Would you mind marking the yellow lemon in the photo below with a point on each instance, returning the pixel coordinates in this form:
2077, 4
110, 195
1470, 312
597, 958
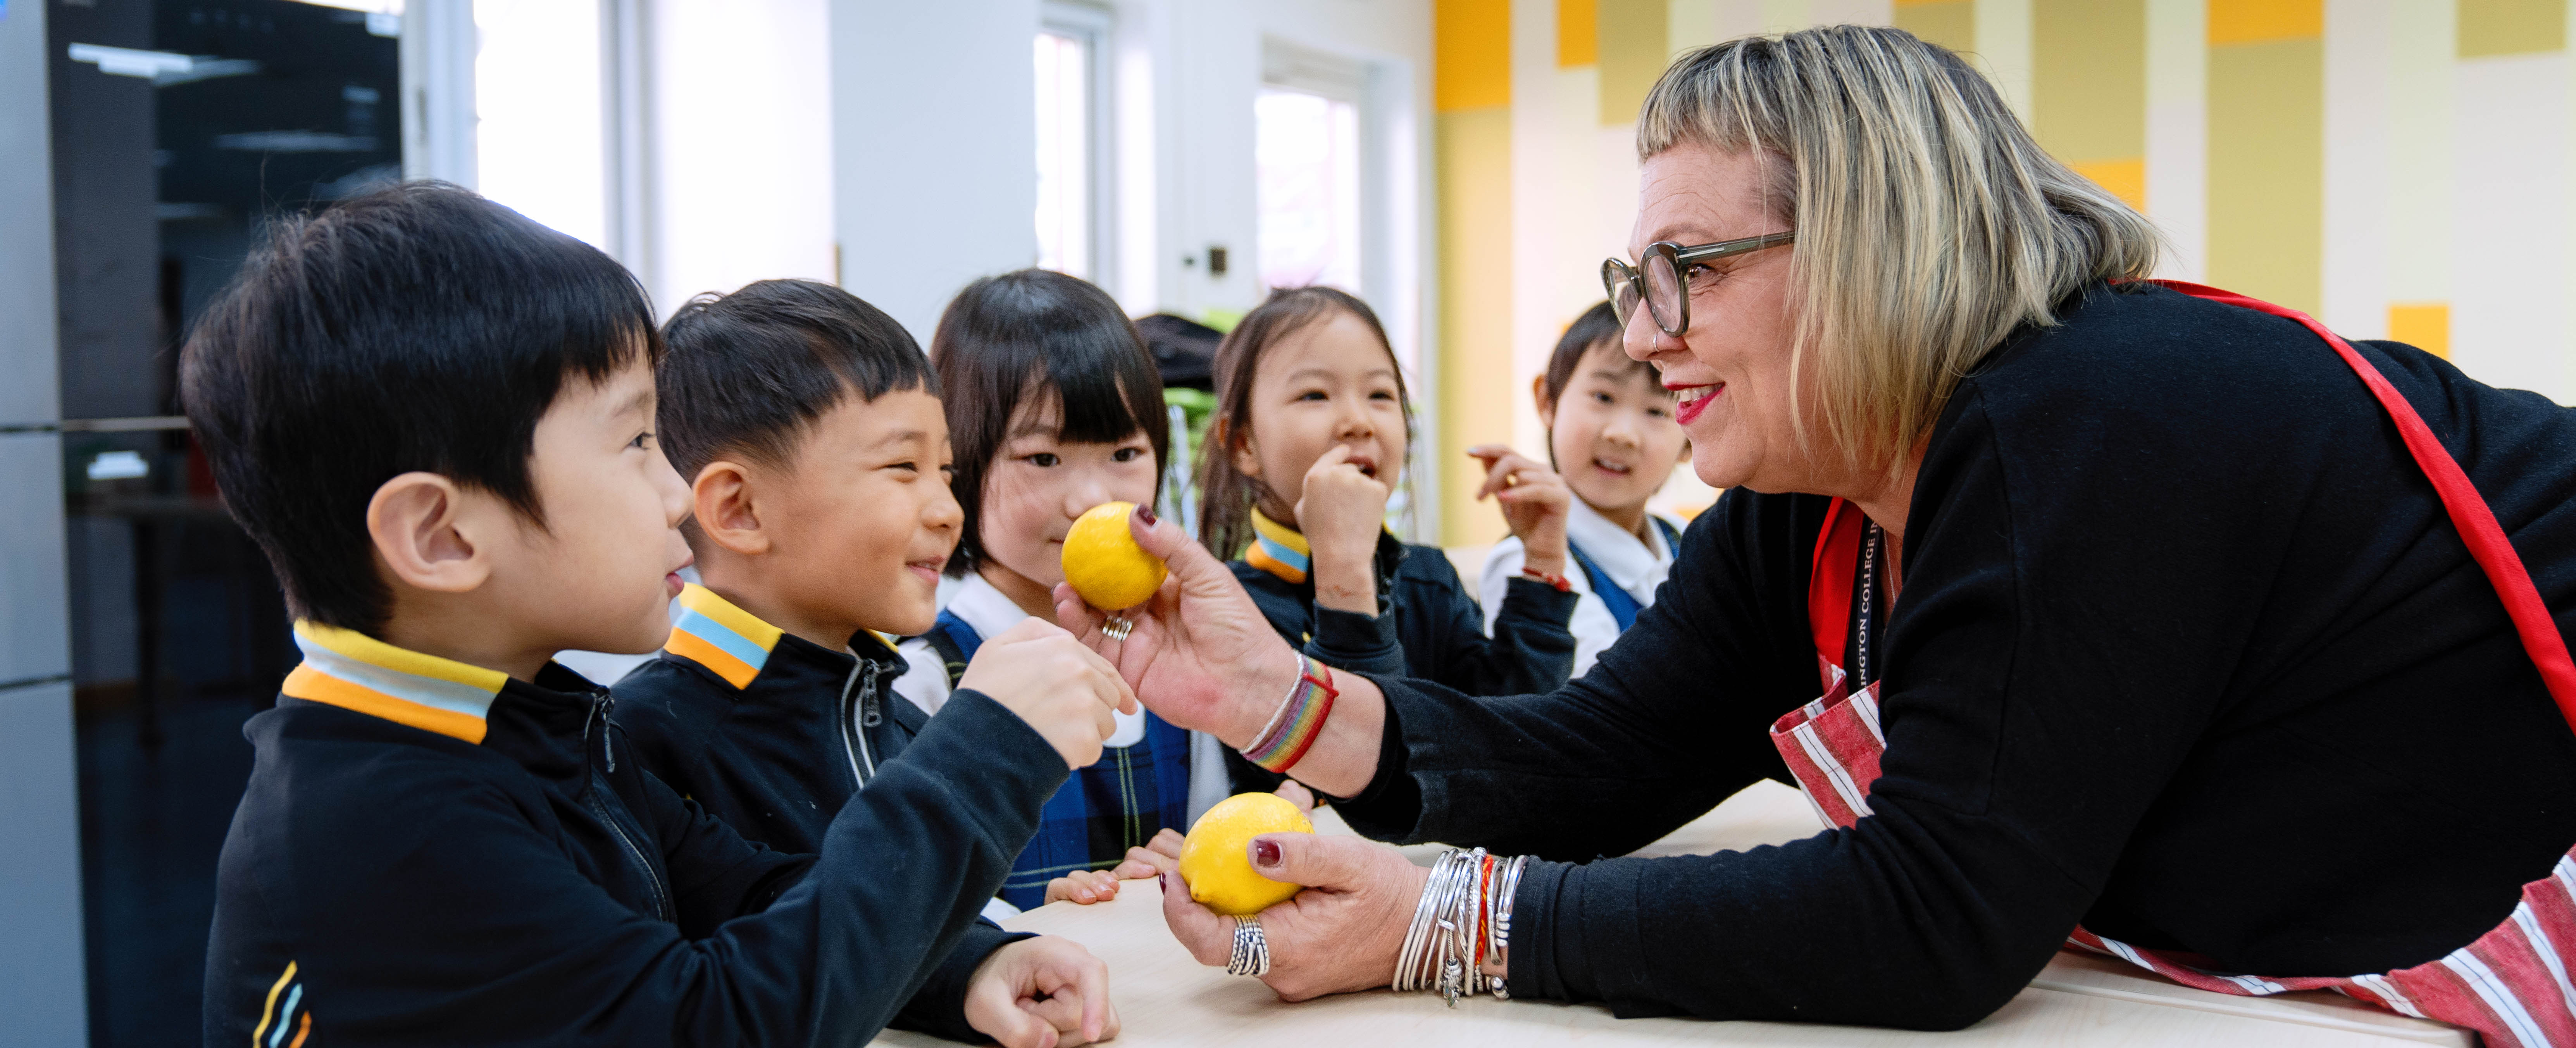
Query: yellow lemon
1215, 862
1104, 563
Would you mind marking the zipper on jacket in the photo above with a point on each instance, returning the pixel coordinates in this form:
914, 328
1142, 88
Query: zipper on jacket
600, 706
854, 736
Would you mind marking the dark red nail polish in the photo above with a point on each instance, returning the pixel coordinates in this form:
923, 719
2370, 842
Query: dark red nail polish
1265, 853
1146, 514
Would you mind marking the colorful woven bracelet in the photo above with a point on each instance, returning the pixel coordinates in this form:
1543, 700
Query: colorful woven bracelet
1300, 719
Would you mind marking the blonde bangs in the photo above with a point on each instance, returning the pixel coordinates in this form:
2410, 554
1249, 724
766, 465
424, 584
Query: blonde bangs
1930, 224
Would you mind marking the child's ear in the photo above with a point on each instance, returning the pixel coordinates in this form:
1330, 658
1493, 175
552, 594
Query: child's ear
724, 509
1239, 449
425, 529
1546, 407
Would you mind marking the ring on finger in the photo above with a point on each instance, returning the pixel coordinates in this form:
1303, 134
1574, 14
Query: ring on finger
1251, 954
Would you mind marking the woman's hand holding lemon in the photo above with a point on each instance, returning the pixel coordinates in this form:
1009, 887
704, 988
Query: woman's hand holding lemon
1339, 934
1199, 646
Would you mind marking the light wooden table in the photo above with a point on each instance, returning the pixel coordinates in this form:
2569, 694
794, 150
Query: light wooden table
1166, 998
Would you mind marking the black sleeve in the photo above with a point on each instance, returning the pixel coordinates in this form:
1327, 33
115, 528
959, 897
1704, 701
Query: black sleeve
1670, 721
1530, 650
716, 875
1348, 640
495, 936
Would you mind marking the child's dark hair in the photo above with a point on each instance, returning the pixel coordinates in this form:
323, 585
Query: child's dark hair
417, 327
1226, 497
1027, 335
747, 373
1596, 326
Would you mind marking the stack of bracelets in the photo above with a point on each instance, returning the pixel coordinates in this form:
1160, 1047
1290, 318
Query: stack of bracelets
1463, 921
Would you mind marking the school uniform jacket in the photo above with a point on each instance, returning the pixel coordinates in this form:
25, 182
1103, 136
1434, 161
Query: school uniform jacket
772, 734
1427, 626
434, 853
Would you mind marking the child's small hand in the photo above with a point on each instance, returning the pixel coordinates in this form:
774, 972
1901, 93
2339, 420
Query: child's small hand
1155, 858
1044, 992
1341, 512
1059, 687
1084, 887
1535, 503
1297, 794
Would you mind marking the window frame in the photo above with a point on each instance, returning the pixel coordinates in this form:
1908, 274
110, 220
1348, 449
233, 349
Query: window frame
1095, 27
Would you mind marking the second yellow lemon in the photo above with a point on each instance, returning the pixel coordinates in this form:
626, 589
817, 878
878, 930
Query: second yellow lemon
1104, 563
1215, 864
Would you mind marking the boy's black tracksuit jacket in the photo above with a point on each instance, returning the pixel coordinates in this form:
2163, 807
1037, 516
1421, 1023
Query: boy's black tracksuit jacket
400, 872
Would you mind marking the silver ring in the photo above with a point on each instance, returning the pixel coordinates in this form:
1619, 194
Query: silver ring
1251, 954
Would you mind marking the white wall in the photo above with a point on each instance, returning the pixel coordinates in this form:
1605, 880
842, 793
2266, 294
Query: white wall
934, 156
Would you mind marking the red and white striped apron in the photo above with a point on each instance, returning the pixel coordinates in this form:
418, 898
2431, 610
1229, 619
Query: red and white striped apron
2512, 985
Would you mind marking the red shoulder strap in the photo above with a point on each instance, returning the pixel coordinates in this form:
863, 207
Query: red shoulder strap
2469, 513
1829, 585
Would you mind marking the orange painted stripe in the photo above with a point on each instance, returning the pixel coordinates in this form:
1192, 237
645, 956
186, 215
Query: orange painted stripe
303, 1029
316, 686
717, 660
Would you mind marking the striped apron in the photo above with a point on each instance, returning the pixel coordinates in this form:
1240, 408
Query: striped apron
2511, 985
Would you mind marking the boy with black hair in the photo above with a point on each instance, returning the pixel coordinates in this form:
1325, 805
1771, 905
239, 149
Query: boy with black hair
435, 416
810, 429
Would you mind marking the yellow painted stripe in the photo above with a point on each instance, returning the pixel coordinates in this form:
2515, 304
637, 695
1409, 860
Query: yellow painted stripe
2258, 21
268, 1012
2267, 171
2126, 179
2489, 28
717, 660
1471, 54
313, 685
1949, 23
1474, 157
1578, 33
748, 626
359, 646
2423, 325
1635, 46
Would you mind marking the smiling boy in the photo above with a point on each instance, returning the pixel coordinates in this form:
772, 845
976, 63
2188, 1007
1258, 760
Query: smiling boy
436, 417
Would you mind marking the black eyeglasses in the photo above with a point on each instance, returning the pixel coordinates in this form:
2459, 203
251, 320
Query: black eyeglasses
1657, 281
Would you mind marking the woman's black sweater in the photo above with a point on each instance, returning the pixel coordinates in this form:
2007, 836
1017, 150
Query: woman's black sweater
2187, 652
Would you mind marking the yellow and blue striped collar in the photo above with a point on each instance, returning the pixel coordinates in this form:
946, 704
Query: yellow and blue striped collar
730, 642
354, 671
1278, 549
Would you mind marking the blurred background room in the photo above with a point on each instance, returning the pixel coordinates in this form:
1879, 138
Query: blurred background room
2401, 168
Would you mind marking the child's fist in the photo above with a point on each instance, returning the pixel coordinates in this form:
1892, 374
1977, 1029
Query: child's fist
1343, 507
1155, 858
1044, 992
1061, 688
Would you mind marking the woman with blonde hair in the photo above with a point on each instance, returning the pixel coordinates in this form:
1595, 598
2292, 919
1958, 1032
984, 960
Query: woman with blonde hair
2145, 616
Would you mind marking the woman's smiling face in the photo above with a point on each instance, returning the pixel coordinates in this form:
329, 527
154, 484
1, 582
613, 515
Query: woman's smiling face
1730, 370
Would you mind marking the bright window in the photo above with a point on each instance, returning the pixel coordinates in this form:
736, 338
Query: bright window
1066, 140
1307, 151
540, 144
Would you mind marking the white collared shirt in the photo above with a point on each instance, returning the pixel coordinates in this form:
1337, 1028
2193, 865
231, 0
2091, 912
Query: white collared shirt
988, 613
1633, 564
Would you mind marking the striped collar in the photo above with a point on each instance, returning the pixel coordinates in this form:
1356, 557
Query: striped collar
354, 671
1278, 549
731, 643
